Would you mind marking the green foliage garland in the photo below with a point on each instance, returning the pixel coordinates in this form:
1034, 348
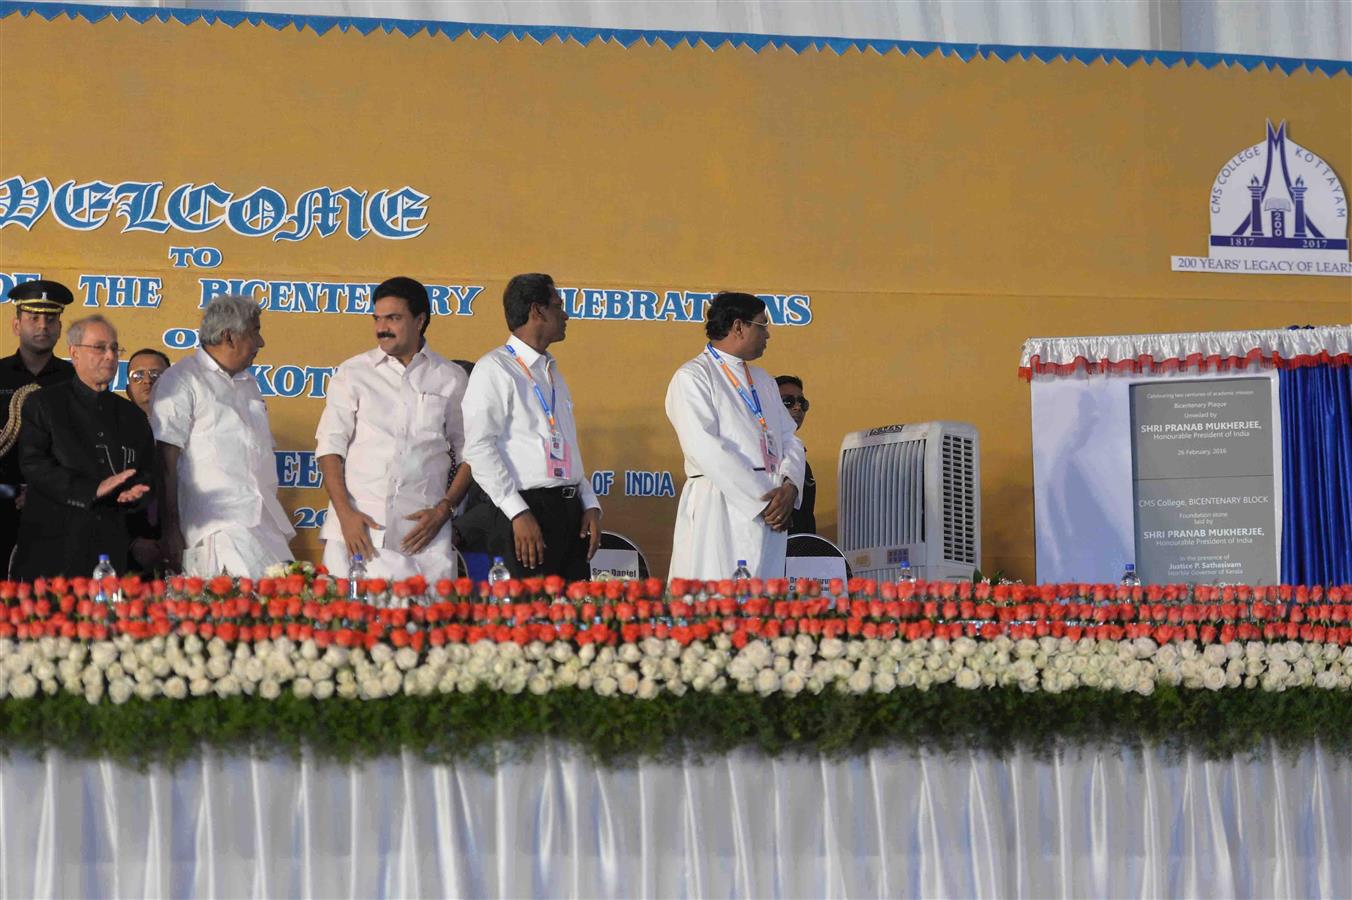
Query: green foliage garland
473, 728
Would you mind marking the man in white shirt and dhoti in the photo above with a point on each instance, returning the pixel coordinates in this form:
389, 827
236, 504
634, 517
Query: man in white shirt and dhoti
389, 438
218, 508
521, 441
743, 461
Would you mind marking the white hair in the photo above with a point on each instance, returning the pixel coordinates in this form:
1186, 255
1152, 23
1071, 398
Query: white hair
227, 315
75, 333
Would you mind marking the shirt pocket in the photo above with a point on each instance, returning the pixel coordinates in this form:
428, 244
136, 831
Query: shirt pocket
255, 417
429, 414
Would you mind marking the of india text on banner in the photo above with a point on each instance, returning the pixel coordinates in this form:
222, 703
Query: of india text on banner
909, 212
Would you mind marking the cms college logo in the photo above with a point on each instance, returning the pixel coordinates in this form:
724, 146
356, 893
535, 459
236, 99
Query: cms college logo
1276, 209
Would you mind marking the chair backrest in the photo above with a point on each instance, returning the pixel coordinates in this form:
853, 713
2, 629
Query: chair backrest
813, 556
475, 565
619, 557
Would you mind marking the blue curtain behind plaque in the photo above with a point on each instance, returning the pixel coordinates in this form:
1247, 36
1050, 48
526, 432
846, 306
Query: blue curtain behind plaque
1317, 475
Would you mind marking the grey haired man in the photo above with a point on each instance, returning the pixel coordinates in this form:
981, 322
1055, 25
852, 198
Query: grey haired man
219, 509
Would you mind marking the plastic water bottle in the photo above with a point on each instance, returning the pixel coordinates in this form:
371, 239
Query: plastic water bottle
103, 570
356, 572
740, 577
906, 575
499, 571
1129, 577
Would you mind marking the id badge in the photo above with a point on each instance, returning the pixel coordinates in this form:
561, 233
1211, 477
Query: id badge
769, 454
558, 458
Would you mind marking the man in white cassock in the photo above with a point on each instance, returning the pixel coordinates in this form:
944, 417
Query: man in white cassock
389, 437
743, 461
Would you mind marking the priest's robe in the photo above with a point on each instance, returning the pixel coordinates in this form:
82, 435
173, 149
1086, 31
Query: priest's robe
719, 518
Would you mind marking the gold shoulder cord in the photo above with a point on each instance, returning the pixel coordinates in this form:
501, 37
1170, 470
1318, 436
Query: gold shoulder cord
9, 435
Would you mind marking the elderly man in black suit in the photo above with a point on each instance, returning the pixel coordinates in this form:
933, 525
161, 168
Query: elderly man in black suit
88, 457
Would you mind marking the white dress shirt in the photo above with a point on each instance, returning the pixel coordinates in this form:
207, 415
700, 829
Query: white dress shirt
227, 472
399, 431
507, 432
718, 520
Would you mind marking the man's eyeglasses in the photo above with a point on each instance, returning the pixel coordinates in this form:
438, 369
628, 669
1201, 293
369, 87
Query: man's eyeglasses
765, 325
791, 402
101, 349
140, 375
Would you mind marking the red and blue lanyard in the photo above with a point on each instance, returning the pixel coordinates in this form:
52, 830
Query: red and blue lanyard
752, 399
548, 407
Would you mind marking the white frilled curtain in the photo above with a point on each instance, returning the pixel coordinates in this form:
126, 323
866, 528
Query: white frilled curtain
1200, 351
1319, 29
1116, 823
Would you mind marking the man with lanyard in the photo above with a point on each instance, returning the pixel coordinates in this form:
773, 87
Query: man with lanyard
37, 324
521, 442
743, 462
388, 440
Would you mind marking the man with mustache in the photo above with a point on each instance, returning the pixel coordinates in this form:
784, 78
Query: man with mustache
743, 462
218, 508
87, 456
37, 326
389, 438
521, 439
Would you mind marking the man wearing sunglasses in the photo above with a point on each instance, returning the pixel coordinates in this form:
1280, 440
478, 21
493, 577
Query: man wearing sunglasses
87, 456
743, 462
804, 519
144, 368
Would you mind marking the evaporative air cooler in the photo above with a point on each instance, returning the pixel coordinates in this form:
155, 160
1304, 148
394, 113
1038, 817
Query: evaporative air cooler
911, 494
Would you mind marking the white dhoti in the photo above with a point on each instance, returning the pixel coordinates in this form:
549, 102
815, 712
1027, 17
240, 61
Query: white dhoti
434, 562
242, 552
711, 536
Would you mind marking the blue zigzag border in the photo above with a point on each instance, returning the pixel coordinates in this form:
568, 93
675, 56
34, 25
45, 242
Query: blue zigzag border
320, 25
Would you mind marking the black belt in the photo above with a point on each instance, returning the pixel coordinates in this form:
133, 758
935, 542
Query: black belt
757, 469
566, 491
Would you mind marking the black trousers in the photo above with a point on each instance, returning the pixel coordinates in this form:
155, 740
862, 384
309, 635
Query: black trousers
559, 512
9, 533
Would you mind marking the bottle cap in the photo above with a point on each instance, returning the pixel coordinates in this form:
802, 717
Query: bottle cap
356, 557
1131, 567
497, 560
741, 562
103, 557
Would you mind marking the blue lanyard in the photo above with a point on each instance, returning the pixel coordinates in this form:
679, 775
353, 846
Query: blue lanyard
539, 394
751, 400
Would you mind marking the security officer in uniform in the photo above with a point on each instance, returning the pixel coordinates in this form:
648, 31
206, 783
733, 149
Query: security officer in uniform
37, 324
